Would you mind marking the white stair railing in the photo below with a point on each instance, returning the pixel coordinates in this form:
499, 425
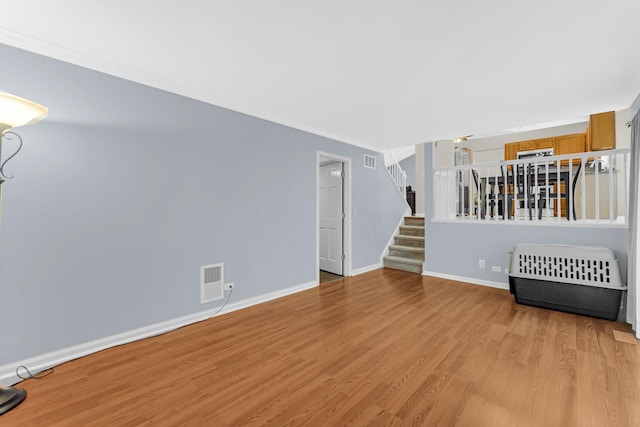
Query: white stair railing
398, 175
580, 188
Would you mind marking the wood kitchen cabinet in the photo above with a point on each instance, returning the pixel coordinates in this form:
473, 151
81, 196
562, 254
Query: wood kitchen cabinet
570, 144
526, 145
601, 134
510, 151
544, 143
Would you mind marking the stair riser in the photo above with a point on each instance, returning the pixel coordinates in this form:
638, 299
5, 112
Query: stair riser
411, 231
414, 221
400, 240
405, 267
406, 254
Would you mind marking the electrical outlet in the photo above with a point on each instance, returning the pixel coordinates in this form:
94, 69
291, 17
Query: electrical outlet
229, 286
481, 263
496, 268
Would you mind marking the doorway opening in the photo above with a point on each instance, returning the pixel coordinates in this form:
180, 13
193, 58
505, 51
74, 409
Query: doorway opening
333, 215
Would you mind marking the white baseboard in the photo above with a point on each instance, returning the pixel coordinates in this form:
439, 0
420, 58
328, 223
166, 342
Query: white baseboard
471, 280
366, 269
39, 363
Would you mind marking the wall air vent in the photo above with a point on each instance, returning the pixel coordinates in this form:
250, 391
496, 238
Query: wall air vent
369, 162
211, 281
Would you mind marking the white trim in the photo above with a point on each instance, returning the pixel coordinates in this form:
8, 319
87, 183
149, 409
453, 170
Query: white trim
97, 64
366, 269
471, 280
45, 361
346, 231
407, 212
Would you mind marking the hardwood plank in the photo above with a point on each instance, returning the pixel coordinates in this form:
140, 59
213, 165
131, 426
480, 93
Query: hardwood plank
385, 348
480, 413
450, 404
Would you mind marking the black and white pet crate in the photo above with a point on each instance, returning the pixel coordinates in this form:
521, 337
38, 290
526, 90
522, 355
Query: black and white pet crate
576, 279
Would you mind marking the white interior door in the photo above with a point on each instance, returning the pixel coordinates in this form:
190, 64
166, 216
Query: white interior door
331, 218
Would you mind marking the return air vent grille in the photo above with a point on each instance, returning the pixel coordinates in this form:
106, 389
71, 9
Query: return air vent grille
211, 282
369, 162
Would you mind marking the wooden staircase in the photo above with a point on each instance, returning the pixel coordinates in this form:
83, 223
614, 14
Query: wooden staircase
407, 252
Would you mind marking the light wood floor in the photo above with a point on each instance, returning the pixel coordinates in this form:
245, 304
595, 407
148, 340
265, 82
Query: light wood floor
383, 348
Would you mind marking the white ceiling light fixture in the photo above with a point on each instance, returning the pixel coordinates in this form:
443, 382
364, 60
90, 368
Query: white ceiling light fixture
462, 138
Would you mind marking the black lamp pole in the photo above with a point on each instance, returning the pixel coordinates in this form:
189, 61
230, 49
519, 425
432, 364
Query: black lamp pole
14, 111
10, 397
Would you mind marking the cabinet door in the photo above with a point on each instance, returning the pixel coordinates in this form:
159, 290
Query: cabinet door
569, 144
526, 145
602, 131
510, 151
543, 143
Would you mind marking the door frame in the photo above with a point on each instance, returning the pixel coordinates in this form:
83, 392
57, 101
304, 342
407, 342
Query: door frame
346, 206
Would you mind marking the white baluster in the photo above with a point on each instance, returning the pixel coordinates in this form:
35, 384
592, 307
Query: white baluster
611, 194
583, 187
596, 165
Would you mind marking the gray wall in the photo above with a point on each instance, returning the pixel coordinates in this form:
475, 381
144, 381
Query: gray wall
409, 166
124, 191
454, 248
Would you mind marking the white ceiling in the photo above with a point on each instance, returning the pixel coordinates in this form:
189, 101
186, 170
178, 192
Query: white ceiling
369, 72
